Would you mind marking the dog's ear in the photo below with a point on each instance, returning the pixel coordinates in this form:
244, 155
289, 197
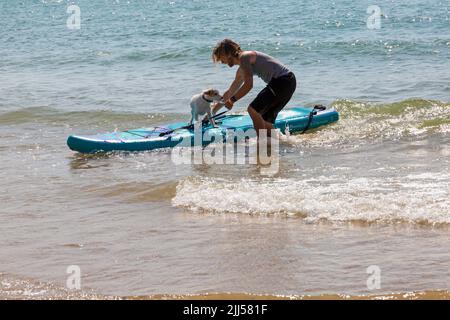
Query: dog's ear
209, 92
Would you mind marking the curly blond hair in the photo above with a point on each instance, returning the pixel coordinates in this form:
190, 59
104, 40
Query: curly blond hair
226, 47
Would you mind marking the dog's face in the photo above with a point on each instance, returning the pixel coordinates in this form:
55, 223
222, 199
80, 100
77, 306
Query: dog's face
213, 94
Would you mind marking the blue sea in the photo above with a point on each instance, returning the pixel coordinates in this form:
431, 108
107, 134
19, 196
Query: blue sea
371, 189
152, 56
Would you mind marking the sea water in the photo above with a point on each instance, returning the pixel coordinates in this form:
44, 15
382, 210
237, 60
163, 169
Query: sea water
370, 190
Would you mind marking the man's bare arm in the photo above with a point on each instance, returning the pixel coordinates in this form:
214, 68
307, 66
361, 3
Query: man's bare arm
246, 74
237, 83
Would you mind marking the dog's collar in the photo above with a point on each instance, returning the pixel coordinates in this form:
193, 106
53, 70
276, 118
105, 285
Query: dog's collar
204, 98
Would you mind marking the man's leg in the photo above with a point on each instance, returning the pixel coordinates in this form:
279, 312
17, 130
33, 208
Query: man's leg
269, 127
258, 121
260, 124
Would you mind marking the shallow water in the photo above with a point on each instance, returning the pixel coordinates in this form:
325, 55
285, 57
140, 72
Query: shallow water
372, 189
137, 224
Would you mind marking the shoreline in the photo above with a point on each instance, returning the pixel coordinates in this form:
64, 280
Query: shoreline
419, 295
19, 288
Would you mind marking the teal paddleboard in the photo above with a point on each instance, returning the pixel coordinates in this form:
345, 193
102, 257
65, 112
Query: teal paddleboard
172, 135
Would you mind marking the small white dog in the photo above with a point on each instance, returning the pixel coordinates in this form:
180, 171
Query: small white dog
201, 104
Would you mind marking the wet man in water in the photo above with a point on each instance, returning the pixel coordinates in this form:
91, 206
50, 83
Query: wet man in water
281, 82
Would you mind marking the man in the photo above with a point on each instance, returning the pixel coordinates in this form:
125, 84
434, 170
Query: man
281, 83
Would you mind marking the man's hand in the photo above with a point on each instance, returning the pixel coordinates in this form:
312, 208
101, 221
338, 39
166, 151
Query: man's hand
229, 104
226, 96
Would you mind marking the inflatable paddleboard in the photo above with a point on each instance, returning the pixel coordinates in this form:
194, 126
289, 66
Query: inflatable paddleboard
169, 136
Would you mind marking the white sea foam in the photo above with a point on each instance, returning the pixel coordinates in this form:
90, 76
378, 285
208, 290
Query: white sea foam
421, 198
362, 123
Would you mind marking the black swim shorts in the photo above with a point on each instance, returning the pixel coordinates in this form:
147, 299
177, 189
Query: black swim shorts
274, 97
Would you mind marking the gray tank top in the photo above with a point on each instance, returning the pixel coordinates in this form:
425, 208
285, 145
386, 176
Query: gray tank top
267, 67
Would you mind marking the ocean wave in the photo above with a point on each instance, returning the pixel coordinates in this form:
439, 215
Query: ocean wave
415, 199
407, 117
95, 118
361, 123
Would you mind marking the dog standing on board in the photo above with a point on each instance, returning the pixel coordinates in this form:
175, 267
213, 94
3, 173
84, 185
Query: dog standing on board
201, 104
